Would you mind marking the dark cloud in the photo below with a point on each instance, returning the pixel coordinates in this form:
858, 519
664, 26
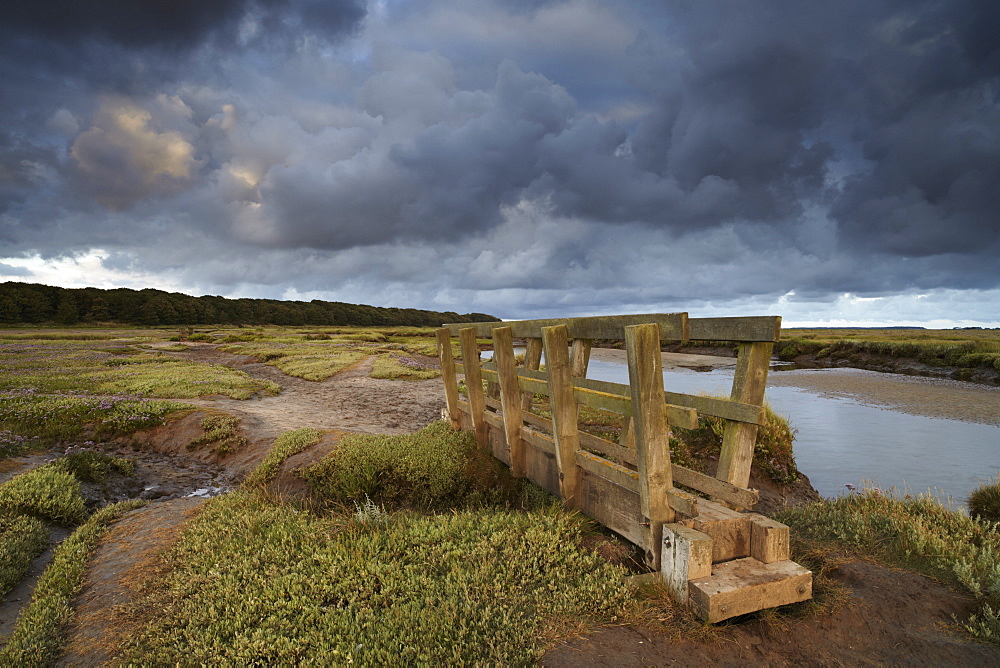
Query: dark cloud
707, 149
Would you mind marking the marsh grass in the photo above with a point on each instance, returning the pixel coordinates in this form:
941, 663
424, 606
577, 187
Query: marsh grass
984, 502
221, 434
22, 538
38, 636
287, 444
94, 466
915, 533
312, 360
47, 492
436, 468
403, 366
258, 583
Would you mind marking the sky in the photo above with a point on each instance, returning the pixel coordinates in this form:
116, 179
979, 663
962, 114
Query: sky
834, 163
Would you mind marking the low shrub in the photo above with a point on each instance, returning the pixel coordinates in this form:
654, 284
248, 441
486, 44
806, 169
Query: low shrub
286, 445
94, 466
984, 502
222, 434
22, 538
47, 492
435, 468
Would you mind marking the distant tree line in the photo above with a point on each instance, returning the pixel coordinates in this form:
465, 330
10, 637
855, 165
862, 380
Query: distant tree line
30, 303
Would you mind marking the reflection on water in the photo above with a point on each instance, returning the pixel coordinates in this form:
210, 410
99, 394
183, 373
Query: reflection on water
840, 442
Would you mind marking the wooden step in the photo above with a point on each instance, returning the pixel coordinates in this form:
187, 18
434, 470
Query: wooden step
746, 585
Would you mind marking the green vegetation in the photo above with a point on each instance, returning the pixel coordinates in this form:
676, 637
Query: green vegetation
286, 445
260, 583
117, 368
94, 466
34, 303
403, 366
915, 533
222, 434
37, 639
984, 502
958, 348
22, 538
435, 468
48, 492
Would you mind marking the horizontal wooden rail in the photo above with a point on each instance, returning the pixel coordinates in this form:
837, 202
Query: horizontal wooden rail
723, 408
673, 327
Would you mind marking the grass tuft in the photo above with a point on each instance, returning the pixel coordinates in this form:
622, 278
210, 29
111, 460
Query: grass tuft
222, 434
984, 502
22, 538
286, 445
48, 492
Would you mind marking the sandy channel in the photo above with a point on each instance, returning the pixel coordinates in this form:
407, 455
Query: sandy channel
930, 397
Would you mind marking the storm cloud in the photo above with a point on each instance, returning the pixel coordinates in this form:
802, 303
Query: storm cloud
516, 158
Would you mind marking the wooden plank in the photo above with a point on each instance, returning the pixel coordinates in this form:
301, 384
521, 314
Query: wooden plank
474, 384
616, 473
532, 386
537, 421
613, 506
579, 357
605, 447
686, 555
724, 408
492, 403
755, 328
730, 530
609, 402
448, 375
564, 410
532, 360
769, 539
533, 374
717, 489
510, 398
493, 420
652, 435
673, 326
745, 585
736, 455
541, 441
489, 376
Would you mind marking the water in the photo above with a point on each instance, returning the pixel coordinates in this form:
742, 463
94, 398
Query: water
840, 442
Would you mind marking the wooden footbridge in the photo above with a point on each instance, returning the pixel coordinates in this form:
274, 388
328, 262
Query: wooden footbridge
692, 527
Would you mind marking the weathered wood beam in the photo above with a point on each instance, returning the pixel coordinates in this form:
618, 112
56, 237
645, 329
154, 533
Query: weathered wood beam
564, 411
532, 360
652, 435
579, 357
673, 326
738, 439
754, 328
510, 398
448, 375
474, 385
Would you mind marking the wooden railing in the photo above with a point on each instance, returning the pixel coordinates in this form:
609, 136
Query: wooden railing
631, 486
559, 457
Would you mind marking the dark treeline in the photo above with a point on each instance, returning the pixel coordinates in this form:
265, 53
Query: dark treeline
30, 303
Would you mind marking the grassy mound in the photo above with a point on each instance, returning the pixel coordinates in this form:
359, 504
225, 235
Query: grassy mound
48, 492
286, 445
984, 502
22, 539
259, 583
435, 468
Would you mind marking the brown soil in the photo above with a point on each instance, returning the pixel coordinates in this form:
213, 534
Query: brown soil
890, 618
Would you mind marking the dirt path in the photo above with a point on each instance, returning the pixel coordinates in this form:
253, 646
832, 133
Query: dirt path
350, 400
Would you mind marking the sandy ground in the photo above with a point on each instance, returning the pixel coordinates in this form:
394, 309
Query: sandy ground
351, 400
930, 397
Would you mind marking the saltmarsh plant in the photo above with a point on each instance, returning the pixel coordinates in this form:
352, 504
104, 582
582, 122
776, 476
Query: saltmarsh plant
22, 538
93, 466
38, 637
286, 445
221, 434
435, 468
918, 533
252, 582
984, 502
308, 360
28, 413
403, 366
48, 492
